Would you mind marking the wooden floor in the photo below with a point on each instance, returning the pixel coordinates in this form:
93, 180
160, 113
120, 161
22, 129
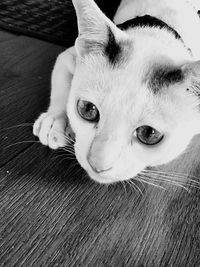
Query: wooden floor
52, 215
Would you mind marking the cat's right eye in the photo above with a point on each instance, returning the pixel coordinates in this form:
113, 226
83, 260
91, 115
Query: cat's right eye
88, 111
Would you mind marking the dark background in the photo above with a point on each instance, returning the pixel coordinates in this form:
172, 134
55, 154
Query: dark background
52, 20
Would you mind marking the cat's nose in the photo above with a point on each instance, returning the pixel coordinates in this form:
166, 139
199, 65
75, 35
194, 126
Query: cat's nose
103, 154
97, 170
97, 167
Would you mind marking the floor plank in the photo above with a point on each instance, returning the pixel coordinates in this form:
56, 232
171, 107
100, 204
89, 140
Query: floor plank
6, 36
25, 70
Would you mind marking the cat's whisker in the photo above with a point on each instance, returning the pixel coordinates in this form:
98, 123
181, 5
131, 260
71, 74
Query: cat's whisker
178, 180
69, 139
172, 182
21, 142
158, 176
64, 156
69, 155
67, 147
191, 184
180, 174
66, 137
136, 186
170, 173
188, 181
69, 151
124, 186
144, 180
165, 179
131, 186
69, 143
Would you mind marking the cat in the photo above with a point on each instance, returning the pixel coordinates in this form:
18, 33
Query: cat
129, 89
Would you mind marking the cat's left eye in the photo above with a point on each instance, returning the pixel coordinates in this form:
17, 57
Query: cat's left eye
88, 111
148, 135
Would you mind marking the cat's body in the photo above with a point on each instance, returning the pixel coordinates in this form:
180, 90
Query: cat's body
131, 95
179, 14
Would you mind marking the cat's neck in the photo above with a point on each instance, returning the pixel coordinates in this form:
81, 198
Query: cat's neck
178, 14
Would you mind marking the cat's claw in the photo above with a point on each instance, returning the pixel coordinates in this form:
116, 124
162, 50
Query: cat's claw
51, 130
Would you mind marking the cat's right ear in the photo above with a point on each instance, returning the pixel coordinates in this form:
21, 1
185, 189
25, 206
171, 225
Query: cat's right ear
192, 74
94, 28
192, 70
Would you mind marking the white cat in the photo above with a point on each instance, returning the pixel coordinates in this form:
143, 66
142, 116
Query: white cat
130, 93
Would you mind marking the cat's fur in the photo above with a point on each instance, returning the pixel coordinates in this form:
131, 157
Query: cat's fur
129, 76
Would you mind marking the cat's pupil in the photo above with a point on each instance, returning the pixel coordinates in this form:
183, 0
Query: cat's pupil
89, 107
148, 135
88, 111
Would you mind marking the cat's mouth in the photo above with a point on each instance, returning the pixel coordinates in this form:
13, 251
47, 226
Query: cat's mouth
106, 177
103, 179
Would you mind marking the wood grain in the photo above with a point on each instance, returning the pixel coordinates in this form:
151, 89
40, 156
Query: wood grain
52, 214
25, 87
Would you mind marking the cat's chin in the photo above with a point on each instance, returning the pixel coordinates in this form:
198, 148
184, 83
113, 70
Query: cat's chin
105, 179
102, 180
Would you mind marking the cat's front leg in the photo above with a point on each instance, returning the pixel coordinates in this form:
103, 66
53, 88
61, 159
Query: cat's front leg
52, 127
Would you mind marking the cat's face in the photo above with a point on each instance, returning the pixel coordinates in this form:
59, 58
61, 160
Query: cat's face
131, 112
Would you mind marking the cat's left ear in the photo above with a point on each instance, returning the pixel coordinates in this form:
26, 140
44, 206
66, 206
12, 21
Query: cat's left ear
95, 29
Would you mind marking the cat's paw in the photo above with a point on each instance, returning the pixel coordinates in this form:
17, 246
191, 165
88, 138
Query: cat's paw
51, 130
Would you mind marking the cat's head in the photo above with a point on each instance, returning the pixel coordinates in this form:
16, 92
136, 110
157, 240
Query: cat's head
134, 98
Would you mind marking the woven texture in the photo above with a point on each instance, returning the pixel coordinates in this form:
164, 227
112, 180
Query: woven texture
51, 20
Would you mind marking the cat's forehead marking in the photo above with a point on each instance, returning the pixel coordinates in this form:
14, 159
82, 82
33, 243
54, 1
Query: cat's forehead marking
115, 50
163, 76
